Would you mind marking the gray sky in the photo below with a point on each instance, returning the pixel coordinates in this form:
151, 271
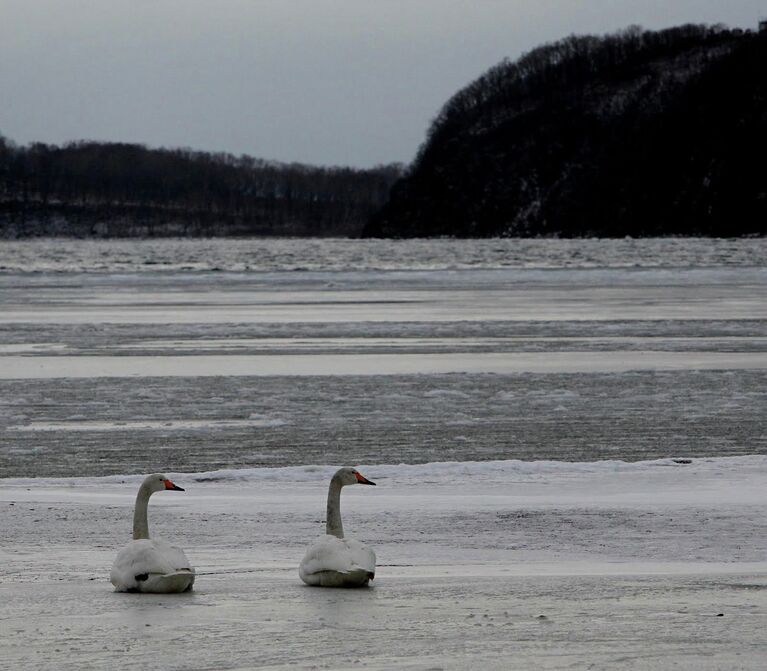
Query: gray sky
353, 82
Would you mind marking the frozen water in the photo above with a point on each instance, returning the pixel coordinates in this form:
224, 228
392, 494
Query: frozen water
61, 255
466, 361
569, 439
94, 426
375, 364
505, 564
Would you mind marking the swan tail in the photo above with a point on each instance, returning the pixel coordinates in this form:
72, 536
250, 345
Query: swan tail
354, 578
173, 582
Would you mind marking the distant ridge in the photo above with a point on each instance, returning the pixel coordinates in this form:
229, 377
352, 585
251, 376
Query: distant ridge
112, 189
636, 133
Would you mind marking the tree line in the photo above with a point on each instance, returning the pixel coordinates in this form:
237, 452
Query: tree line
118, 189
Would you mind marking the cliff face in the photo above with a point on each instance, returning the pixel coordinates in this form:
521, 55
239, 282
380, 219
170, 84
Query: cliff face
638, 133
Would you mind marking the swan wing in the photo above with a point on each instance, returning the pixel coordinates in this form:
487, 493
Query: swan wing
143, 558
362, 557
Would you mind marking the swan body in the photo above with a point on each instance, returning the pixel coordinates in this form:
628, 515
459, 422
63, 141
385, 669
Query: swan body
149, 565
335, 561
338, 562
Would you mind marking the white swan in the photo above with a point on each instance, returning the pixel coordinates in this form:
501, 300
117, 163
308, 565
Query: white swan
335, 561
146, 565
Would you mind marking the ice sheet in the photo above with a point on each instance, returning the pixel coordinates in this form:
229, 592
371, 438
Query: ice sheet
510, 565
28, 368
528, 527
436, 297
195, 424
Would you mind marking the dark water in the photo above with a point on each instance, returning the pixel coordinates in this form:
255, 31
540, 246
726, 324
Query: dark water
93, 427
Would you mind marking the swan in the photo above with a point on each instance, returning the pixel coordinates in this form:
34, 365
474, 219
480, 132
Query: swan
146, 565
335, 561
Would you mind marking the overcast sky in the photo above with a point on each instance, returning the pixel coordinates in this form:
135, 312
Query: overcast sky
351, 82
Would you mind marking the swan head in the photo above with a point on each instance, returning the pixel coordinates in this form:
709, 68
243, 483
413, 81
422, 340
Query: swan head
351, 476
157, 482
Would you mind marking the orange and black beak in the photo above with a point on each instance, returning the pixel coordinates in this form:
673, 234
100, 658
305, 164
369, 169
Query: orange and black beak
363, 480
170, 485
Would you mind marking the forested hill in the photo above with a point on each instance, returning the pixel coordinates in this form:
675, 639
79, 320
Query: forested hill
92, 189
636, 133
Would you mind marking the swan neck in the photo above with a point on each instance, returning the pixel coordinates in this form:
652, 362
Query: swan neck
334, 527
140, 518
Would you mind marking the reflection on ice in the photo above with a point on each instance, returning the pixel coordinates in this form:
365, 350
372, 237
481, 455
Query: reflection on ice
18, 367
139, 425
420, 343
497, 298
32, 348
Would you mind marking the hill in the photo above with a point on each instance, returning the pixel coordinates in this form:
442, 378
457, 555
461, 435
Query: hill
636, 133
96, 189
